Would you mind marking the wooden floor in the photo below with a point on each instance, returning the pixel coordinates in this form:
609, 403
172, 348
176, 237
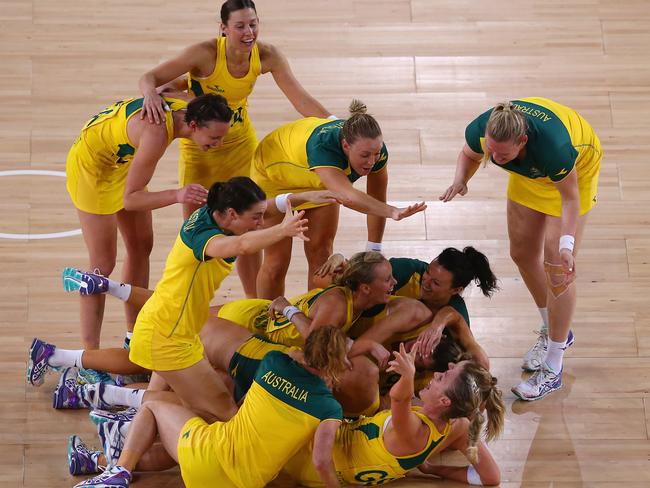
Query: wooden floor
425, 68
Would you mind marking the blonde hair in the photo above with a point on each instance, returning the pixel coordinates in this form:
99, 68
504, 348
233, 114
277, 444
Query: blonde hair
360, 269
506, 123
360, 125
325, 350
475, 390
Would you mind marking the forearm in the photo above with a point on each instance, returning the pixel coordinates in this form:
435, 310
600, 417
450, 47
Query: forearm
465, 168
570, 214
308, 106
254, 241
144, 200
147, 83
364, 203
327, 474
447, 472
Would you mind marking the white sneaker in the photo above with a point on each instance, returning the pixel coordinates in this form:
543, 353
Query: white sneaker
536, 355
540, 384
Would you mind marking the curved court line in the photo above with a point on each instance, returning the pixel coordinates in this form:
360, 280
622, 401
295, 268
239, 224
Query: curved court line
51, 235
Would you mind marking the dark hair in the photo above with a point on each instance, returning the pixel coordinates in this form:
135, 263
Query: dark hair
239, 193
360, 125
207, 108
467, 265
231, 6
447, 351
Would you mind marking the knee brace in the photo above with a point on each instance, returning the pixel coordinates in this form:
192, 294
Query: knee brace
557, 279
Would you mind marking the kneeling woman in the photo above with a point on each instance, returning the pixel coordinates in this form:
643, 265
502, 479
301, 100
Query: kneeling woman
288, 404
382, 448
314, 153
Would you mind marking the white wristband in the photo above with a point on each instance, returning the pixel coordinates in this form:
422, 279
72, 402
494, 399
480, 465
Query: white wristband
289, 311
373, 246
567, 242
473, 477
281, 202
332, 117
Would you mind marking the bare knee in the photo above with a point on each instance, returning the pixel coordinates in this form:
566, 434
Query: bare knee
523, 257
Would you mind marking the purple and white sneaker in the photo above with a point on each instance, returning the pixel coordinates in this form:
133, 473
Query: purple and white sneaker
82, 460
115, 477
39, 354
85, 283
112, 434
540, 384
100, 416
68, 394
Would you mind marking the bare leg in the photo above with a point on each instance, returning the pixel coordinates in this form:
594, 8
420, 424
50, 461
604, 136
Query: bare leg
321, 238
561, 308
154, 419
139, 296
114, 360
215, 401
100, 235
247, 268
270, 279
137, 233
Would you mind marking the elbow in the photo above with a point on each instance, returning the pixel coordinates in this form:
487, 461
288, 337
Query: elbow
322, 463
492, 479
345, 199
129, 203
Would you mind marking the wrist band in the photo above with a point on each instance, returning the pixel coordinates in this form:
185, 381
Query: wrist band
567, 242
473, 477
332, 117
281, 202
373, 246
289, 311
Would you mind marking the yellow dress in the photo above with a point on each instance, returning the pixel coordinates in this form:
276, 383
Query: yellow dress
559, 139
359, 454
251, 313
100, 158
234, 157
166, 334
285, 160
280, 415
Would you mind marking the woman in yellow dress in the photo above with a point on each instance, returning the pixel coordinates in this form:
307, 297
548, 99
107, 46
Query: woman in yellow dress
553, 156
108, 168
315, 153
229, 66
384, 447
289, 404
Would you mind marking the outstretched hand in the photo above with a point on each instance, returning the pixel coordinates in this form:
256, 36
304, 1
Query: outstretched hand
334, 265
193, 193
402, 213
452, 191
404, 362
293, 224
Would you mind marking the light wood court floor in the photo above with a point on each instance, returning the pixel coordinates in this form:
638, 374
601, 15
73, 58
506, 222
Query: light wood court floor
425, 68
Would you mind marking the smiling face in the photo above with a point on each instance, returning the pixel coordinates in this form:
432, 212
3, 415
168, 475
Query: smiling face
210, 134
242, 29
435, 393
437, 284
363, 154
380, 288
248, 220
505, 151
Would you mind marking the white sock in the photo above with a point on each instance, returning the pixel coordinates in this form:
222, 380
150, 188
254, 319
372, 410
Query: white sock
119, 290
66, 358
118, 395
555, 354
129, 334
544, 313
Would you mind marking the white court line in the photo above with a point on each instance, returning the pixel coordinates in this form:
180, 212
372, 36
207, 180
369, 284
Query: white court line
52, 235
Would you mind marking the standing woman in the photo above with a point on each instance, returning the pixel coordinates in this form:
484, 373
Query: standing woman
315, 153
228, 66
115, 155
553, 156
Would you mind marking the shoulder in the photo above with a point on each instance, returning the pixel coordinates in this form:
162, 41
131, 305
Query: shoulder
270, 56
202, 52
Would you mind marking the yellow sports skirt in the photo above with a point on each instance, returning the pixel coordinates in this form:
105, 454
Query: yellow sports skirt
94, 188
198, 456
250, 313
541, 195
216, 164
157, 352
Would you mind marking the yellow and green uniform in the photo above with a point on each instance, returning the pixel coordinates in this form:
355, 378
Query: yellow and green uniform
360, 456
100, 158
252, 313
559, 139
234, 157
280, 414
246, 360
166, 334
285, 160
